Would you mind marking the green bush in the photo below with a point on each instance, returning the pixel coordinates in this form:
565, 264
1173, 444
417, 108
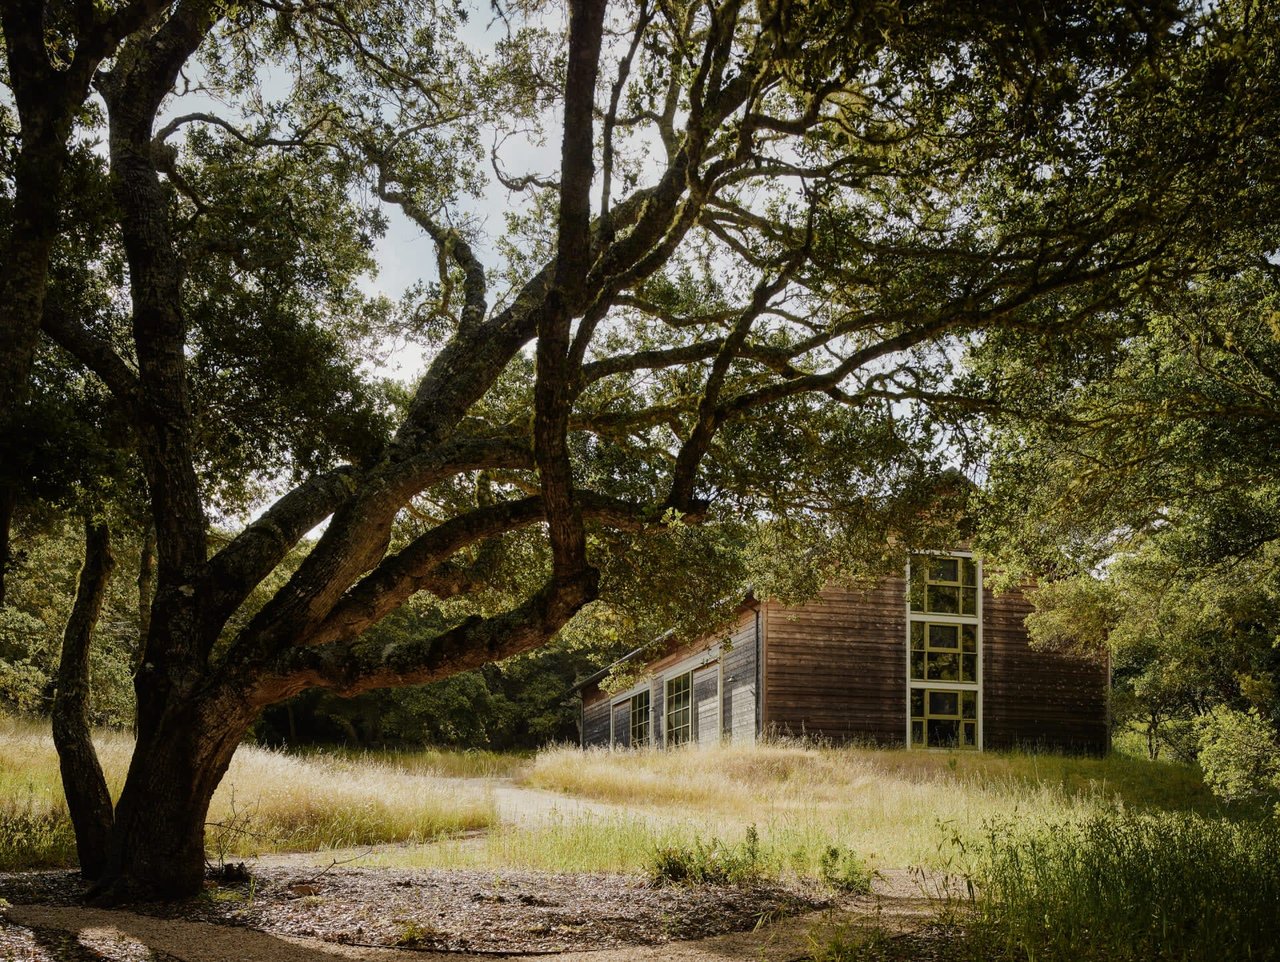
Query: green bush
844, 871
1239, 755
710, 863
1127, 888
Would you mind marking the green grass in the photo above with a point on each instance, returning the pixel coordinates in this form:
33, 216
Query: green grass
1125, 887
268, 802
891, 808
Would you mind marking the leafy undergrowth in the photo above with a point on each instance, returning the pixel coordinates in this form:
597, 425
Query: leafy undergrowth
1126, 887
711, 863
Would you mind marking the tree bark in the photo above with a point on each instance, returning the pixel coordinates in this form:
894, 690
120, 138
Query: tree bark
157, 843
146, 589
88, 800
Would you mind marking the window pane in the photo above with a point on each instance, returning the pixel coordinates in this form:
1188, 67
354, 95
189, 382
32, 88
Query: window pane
969, 668
679, 713
970, 571
943, 667
917, 702
917, 665
640, 719
970, 601
969, 704
944, 569
917, 635
943, 599
943, 734
970, 734
917, 733
944, 636
970, 636
944, 703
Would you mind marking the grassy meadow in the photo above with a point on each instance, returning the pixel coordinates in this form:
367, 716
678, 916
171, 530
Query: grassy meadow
1042, 857
269, 801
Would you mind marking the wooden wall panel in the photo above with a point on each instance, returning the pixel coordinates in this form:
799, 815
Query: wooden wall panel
1037, 699
595, 724
706, 710
738, 709
657, 711
622, 724
836, 666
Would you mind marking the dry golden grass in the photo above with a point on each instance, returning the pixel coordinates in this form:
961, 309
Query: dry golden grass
894, 808
268, 801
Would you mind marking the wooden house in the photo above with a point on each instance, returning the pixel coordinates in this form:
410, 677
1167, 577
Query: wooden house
928, 660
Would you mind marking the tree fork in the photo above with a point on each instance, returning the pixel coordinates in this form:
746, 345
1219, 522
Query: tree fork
157, 848
88, 800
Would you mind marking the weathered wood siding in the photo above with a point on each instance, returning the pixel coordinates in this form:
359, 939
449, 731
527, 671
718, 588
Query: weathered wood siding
738, 704
1037, 699
836, 666
706, 714
595, 723
657, 711
622, 724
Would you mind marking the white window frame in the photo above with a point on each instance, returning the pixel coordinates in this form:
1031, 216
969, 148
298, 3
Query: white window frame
939, 618
631, 718
667, 682
698, 659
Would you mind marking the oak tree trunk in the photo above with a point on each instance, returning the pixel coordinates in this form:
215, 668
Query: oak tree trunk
88, 801
157, 842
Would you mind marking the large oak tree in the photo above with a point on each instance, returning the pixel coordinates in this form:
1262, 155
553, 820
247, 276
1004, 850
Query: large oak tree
769, 230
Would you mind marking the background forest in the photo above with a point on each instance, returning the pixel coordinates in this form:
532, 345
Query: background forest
693, 296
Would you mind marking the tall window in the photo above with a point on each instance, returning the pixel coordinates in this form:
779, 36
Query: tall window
679, 709
640, 719
944, 637
944, 585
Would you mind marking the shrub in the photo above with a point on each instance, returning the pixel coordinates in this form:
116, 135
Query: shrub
845, 871
1239, 755
709, 863
1127, 888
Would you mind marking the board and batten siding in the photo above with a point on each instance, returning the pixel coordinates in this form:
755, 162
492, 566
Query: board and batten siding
739, 671
595, 722
706, 713
622, 724
1037, 699
836, 666
657, 711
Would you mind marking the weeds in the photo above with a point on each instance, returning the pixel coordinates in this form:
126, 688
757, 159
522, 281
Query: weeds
844, 871
1127, 888
710, 863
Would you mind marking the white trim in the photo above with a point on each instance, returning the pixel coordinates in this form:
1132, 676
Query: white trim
976, 619
698, 659
691, 707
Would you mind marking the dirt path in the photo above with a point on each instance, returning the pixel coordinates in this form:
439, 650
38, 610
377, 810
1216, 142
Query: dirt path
75, 934
69, 933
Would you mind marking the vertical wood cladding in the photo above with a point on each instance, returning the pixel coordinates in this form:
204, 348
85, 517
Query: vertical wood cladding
836, 666
706, 716
738, 706
595, 723
657, 711
1037, 699
622, 724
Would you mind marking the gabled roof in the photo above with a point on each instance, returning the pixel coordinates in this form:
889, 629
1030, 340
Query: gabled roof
748, 599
